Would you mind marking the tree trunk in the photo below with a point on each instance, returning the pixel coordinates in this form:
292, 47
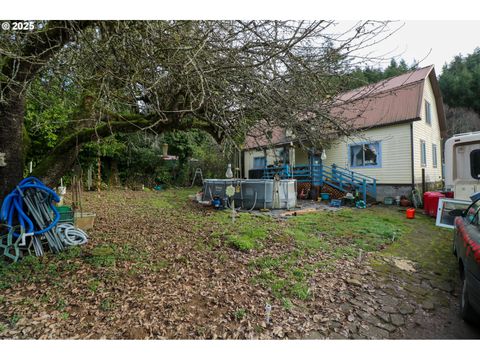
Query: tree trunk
11, 142
111, 168
36, 48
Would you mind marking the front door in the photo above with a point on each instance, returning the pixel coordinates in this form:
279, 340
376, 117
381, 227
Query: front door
315, 163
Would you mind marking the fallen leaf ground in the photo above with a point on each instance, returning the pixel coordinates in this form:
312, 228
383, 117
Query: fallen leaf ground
160, 266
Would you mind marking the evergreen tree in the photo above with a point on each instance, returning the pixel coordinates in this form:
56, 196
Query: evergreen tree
369, 75
460, 82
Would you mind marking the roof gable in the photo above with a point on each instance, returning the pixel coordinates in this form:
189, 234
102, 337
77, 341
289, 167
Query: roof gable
388, 102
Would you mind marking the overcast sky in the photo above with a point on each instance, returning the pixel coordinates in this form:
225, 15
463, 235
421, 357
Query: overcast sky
436, 42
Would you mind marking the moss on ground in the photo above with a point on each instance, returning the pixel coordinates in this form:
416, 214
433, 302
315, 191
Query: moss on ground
425, 244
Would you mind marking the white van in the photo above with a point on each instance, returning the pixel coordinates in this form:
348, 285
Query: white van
462, 165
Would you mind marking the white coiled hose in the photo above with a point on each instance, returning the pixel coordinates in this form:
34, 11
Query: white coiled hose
70, 235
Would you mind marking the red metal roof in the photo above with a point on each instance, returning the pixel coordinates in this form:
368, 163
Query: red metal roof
394, 100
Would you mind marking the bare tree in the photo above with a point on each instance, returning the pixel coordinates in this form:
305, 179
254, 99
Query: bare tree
230, 78
461, 120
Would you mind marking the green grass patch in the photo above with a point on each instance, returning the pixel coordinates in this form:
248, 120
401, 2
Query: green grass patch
14, 319
239, 314
169, 199
64, 315
93, 285
287, 303
284, 276
30, 269
341, 234
427, 245
345, 231
106, 305
103, 256
247, 239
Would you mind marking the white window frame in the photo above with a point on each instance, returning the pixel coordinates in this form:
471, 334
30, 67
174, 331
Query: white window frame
428, 112
444, 202
378, 147
423, 153
434, 156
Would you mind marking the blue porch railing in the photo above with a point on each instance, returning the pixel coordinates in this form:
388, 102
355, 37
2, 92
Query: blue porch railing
318, 174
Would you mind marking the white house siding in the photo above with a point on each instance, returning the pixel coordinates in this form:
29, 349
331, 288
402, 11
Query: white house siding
431, 135
395, 154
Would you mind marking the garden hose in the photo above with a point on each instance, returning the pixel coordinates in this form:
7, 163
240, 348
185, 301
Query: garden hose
30, 208
13, 205
70, 235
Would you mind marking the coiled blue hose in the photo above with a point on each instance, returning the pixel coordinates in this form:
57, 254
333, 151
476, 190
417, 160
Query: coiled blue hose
13, 206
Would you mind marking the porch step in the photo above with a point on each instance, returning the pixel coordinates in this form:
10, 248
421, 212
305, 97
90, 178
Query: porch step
341, 179
338, 194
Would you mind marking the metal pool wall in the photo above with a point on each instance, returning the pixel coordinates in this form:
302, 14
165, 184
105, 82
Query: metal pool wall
253, 194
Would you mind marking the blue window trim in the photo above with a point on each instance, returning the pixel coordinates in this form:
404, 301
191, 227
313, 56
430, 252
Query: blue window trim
264, 162
379, 157
434, 156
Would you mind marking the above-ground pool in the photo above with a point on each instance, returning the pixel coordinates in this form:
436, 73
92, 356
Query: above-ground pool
254, 193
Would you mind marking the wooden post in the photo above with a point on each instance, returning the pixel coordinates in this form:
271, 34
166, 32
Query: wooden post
364, 190
99, 173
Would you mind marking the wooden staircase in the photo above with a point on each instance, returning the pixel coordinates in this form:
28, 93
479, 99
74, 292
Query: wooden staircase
334, 176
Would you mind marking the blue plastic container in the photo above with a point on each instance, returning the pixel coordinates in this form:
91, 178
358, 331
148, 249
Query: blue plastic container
217, 203
325, 196
336, 203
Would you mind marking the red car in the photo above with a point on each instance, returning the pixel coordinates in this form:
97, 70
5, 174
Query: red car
466, 246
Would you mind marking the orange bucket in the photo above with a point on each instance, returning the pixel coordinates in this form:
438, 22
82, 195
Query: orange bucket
410, 213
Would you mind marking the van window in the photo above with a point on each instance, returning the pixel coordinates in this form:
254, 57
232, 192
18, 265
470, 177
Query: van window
475, 164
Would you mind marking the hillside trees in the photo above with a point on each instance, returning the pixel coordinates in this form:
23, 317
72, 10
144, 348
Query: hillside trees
370, 74
460, 82
460, 85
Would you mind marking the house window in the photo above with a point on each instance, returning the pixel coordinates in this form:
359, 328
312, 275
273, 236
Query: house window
259, 162
434, 155
423, 153
475, 164
428, 113
365, 155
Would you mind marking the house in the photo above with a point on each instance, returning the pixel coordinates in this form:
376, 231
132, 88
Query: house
396, 147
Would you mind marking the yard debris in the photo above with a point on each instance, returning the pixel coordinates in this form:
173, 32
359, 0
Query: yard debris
404, 264
353, 281
299, 212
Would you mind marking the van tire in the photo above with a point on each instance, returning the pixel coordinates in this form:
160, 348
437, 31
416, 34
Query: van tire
466, 311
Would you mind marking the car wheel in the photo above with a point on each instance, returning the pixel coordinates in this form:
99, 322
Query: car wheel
466, 310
